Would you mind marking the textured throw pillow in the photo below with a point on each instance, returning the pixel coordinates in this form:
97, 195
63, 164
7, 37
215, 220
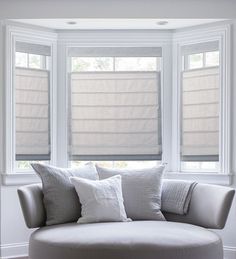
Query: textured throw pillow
101, 200
141, 190
60, 198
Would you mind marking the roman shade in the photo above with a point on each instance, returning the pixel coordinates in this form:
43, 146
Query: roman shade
200, 114
32, 114
115, 116
32, 106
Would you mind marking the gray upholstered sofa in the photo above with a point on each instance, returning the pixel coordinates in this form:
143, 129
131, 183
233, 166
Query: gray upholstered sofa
180, 237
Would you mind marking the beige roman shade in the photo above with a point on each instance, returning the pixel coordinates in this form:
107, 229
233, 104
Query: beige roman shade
32, 106
115, 116
200, 114
32, 114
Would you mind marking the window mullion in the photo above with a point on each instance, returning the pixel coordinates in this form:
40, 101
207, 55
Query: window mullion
204, 59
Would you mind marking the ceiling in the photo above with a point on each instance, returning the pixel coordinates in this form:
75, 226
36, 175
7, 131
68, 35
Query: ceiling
103, 24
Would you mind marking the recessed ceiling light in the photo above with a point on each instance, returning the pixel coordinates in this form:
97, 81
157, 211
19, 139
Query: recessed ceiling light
162, 23
71, 22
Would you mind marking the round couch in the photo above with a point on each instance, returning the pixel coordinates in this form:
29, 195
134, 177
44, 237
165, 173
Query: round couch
177, 238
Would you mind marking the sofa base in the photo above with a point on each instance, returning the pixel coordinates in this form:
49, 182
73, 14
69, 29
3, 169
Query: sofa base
125, 240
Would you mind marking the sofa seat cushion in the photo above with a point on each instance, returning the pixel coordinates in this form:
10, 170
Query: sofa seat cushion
126, 240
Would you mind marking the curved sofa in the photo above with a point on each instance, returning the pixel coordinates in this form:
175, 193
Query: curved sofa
180, 237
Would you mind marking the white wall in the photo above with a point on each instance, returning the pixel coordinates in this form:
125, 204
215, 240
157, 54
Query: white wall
14, 234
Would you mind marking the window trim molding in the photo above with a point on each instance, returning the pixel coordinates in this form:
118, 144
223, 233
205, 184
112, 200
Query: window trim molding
13, 33
222, 33
203, 177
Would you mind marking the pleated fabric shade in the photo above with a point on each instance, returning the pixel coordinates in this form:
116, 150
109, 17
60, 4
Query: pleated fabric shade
200, 115
32, 114
115, 116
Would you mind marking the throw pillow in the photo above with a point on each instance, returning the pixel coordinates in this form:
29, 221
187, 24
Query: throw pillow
61, 202
101, 200
141, 190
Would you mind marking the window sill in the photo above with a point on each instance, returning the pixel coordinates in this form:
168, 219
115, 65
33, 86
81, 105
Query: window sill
211, 178
22, 178
19, 178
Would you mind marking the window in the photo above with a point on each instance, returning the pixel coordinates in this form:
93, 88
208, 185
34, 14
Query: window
212, 58
115, 106
31, 104
200, 121
80, 64
195, 60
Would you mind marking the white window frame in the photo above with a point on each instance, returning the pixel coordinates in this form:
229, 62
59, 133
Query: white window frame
221, 34
11, 174
113, 39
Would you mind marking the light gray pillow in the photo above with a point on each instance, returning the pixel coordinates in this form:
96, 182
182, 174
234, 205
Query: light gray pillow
141, 191
60, 198
102, 201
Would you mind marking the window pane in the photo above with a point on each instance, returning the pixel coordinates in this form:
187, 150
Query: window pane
212, 58
135, 164
200, 166
35, 61
21, 59
24, 165
196, 61
91, 64
137, 64
75, 164
118, 164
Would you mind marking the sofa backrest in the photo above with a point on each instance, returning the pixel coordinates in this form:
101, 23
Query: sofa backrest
209, 206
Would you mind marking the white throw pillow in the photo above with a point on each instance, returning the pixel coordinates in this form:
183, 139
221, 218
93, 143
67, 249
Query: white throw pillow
101, 201
141, 190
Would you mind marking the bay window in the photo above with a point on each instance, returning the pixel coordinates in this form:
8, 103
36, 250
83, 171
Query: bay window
138, 103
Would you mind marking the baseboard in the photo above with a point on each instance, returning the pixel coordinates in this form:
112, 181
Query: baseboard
20, 251
14, 250
229, 252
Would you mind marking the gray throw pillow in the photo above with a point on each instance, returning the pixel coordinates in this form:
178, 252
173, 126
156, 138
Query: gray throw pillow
60, 198
141, 191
